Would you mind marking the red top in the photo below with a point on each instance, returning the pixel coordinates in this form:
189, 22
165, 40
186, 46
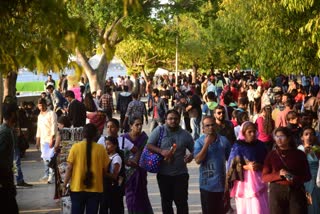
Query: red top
296, 162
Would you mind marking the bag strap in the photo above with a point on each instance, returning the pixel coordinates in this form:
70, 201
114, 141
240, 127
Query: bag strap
160, 136
122, 145
283, 162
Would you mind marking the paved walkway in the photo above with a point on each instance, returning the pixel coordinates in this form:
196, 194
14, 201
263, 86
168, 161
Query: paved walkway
39, 198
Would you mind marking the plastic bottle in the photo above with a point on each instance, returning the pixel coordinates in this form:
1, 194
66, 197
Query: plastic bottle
173, 149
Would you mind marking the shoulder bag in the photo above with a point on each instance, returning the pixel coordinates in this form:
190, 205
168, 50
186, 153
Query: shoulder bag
150, 161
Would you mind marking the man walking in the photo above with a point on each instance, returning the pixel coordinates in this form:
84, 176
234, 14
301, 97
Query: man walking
124, 98
221, 126
173, 177
76, 110
159, 109
106, 103
211, 151
194, 110
136, 109
46, 131
7, 143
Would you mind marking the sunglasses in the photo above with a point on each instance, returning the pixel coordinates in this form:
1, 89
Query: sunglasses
220, 112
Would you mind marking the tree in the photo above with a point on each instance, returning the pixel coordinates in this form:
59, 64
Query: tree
35, 34
268, 35
108, 23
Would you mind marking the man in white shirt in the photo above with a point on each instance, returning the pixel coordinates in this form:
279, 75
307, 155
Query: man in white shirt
46, 131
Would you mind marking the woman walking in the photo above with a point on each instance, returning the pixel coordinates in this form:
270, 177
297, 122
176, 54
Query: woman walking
286, 168
136, 191
87, 162
244, 172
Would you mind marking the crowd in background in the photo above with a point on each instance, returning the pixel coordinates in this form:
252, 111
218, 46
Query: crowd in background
242, 131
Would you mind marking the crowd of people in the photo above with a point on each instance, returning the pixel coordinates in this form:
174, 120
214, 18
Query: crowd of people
255, 141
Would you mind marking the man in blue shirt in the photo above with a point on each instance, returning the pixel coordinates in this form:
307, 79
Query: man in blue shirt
211, 151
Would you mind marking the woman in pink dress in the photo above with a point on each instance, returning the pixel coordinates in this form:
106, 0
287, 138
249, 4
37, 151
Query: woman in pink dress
244, 172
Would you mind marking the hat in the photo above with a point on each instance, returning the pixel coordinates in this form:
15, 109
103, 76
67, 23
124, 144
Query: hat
49, 85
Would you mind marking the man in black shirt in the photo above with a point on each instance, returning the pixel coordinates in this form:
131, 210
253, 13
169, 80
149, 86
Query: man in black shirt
76, 110
7, 143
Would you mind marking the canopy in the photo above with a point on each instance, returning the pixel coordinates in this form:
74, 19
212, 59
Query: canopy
161, 71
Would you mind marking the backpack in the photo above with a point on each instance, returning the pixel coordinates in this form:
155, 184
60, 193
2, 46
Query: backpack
119, 184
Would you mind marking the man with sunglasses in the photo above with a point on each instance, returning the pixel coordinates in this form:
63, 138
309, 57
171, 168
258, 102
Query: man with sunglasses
211, 151
223, 127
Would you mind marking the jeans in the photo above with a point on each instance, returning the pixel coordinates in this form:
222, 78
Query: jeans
17, 158
211, 202
174, 188
284, 199
47, 170
88, 201
195, 126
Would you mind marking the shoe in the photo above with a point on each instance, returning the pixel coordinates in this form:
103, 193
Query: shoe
24, 185
44, 178
50, 179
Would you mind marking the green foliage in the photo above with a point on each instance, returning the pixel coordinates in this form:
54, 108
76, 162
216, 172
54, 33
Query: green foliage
38, 35
274, 37
30, 86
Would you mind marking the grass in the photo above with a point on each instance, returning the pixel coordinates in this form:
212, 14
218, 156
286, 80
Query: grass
30, 86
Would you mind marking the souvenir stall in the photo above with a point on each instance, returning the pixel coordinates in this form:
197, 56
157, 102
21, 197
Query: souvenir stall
69, 136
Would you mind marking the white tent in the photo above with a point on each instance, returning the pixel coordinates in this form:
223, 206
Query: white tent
161, 71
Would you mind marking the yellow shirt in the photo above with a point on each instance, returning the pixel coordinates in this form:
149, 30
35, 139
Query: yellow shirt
99, 161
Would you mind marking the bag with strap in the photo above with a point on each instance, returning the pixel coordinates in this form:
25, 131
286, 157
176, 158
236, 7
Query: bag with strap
150, 161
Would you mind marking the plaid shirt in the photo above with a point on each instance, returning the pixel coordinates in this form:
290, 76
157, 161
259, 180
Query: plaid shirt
106, 102
136, 108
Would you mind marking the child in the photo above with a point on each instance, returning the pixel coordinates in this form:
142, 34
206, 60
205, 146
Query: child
308, 140
113, 186
293, 124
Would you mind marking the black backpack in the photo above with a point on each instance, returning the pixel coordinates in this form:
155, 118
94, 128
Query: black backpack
121, 179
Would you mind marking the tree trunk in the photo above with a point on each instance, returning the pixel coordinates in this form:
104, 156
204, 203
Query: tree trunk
9, 84
195, 68
91, 74
102, 71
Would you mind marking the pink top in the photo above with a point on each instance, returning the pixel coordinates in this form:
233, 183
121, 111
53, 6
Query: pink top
281, 119
264, 137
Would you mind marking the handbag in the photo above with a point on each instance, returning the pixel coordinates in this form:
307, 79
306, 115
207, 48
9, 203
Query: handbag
150, 161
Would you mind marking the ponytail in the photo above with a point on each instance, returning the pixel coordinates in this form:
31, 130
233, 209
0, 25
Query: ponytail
89, 133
